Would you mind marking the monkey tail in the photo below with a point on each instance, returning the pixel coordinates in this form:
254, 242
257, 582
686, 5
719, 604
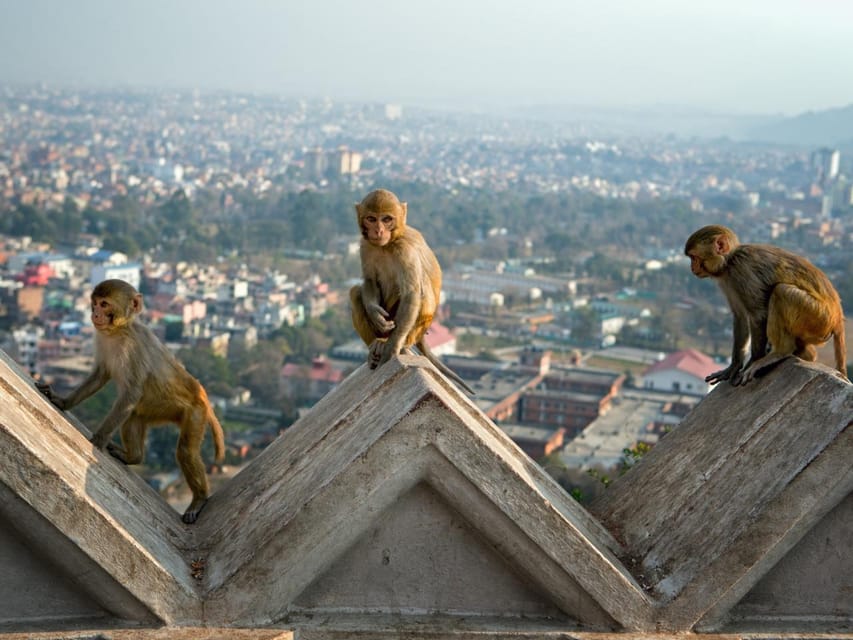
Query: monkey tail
438, 364
840, 348
217, 433
215, 426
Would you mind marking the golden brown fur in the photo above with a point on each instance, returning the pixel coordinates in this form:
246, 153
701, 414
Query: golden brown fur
395, 305
153, 388
775, 296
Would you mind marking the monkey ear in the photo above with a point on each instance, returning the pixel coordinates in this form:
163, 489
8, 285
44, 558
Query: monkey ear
404, 208
358, 210
721, 245
136, 303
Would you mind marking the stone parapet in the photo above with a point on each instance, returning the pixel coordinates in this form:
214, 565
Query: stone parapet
396, 508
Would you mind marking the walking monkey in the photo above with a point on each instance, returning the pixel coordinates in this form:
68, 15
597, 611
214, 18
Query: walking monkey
153, 388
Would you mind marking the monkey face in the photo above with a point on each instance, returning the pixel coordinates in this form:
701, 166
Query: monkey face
381, 217
708, 250
103, 313
114, 304
379, 228
697, 266
705, 262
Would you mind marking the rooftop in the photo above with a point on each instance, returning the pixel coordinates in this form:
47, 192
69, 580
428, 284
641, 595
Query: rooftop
689, 361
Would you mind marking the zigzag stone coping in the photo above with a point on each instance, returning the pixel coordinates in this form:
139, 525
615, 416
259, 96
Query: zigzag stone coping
725, 496
322, 487
76, 506
396, 504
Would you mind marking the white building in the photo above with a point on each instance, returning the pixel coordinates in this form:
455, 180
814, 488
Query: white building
27, 342
477, 286
130, 273
682, 372
233, 290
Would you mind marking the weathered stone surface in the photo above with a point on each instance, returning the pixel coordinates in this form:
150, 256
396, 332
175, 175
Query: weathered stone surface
100, 525
737, 485
163, 633
30, 589
319, 489
396, 509
812, 582
422, 535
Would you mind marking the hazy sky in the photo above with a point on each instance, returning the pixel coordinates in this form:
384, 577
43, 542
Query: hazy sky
746, 56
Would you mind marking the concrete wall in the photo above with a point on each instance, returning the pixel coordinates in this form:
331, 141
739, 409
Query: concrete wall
731, 491
30, 589
421, 535
396, 509
814, 580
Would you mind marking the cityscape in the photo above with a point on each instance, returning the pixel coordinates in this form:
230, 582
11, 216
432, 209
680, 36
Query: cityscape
621, 412
567, 303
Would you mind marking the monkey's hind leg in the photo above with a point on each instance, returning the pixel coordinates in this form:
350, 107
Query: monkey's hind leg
360, 321
795, 321
806, 351
188, 454
132, 449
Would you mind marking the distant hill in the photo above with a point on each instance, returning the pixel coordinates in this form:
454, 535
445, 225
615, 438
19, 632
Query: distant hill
645, 120
832, 127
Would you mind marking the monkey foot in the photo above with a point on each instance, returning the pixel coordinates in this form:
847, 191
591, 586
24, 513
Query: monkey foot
191, 514
120, 454
374, 357
100, 441
761, 366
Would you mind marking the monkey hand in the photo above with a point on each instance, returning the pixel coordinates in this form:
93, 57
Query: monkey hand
57, 401
380, 319
45, 389
729, 373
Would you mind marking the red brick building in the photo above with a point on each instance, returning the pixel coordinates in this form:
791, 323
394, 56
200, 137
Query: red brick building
570, 398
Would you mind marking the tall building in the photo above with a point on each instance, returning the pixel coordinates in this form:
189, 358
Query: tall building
344, 162
393, 111
315, 163
826, 162
320, 164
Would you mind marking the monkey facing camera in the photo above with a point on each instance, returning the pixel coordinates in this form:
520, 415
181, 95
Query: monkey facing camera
153, 389
776, 298
394, 306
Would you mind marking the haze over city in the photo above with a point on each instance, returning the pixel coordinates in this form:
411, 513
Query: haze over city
612, 233
754, 57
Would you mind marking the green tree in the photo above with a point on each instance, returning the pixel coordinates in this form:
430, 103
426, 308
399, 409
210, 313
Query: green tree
122, 242
259, 370
305, 342
212, 371
586, 325
27, 220
69, 220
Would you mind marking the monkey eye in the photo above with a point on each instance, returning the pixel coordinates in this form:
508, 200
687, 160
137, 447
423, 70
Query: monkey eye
387, 219
370, 219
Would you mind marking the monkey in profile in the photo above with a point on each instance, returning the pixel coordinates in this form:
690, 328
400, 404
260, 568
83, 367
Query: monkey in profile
774, 295
153, 388
395, 304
